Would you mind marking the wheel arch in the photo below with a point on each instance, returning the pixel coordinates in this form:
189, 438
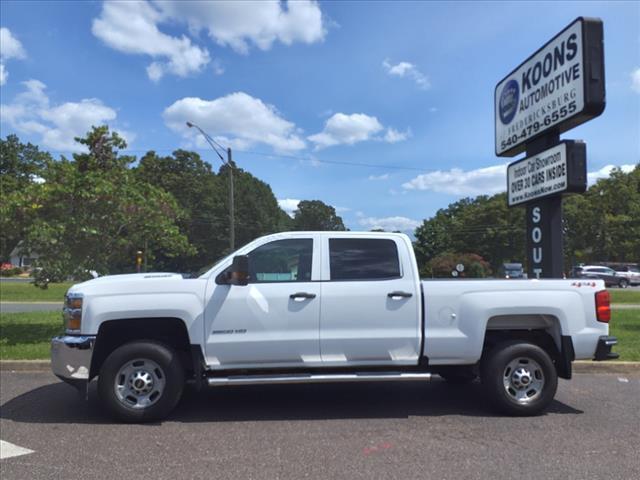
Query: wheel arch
169, 331
544, 330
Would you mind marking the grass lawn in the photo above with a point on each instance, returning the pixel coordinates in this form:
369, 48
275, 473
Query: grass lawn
27, 292
624, 296
26, 336
625, 325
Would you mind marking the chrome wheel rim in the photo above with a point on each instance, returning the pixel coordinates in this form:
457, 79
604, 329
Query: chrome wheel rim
523, 380
139, 383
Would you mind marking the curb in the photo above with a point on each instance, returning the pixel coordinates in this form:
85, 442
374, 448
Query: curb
588, 366
25, 365
581, 366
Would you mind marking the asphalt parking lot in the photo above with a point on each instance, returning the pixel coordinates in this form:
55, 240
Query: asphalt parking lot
377, 430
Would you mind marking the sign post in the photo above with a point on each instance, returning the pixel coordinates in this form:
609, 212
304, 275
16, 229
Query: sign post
557, 88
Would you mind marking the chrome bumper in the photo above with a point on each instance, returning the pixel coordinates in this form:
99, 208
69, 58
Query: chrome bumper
71, 358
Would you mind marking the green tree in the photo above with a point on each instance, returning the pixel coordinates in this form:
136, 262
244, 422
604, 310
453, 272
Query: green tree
199, 193
484, 225
316, 215
92, 213
21, 165
603, 225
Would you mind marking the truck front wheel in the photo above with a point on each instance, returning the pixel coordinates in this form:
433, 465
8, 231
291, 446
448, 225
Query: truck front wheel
141, 381
519, 378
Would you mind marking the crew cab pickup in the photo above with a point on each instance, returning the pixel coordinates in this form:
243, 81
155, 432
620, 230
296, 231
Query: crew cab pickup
322, 307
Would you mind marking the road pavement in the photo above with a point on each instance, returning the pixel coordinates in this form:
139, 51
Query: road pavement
16, 307
378, 430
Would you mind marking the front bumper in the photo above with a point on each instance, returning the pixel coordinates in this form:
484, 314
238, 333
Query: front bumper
603, 350
71, 358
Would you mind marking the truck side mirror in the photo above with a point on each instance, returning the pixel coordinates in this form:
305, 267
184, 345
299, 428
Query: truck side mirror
239, 273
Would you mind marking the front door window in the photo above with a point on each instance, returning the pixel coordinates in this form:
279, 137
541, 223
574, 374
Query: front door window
282, 261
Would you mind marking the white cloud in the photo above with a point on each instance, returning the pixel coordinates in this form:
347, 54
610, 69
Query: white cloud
10, 47
131, 27
604, 172
289, 205
346, 129
31, 113
394, 136
261, 23
390, 224
218, 69
237, 119
343, 129
635, 80
409, 70
384, 176
481, 181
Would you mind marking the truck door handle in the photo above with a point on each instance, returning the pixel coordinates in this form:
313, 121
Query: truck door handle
302, 295
400, 294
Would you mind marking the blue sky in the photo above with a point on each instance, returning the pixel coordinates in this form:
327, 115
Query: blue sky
300, 90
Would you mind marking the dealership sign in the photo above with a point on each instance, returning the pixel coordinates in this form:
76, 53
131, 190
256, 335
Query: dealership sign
560, 169
557, 88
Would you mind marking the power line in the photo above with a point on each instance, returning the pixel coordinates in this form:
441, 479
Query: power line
310, 159
333, 162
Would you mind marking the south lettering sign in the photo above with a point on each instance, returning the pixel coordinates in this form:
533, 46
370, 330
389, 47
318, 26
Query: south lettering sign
557, 170
557, 88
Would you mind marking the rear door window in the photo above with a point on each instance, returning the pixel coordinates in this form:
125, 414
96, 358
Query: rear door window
363, 259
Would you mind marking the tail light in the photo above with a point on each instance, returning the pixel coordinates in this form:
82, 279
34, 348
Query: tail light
603, 306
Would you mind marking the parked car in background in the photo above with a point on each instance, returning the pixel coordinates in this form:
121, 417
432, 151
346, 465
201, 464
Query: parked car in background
632, 273
609, 275
513, 270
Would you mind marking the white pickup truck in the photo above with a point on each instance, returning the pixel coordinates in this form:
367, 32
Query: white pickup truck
322, 307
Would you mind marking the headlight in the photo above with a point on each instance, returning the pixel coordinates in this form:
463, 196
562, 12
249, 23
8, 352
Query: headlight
72, 312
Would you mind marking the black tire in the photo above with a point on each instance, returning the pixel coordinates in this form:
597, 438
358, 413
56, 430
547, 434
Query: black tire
624, 283
146, 360
501, 368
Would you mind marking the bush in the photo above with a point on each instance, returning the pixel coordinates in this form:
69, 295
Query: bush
8, 270
441, 266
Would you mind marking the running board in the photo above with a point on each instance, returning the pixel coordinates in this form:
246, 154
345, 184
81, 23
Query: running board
316, 378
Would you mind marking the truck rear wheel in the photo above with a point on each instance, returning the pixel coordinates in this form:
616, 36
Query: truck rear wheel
519, 378
141, 381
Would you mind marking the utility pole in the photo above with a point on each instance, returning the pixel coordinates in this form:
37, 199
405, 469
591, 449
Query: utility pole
229, 163
146, 248
232, 206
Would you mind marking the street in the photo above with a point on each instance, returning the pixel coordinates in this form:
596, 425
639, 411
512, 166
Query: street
18, 307
377, 430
